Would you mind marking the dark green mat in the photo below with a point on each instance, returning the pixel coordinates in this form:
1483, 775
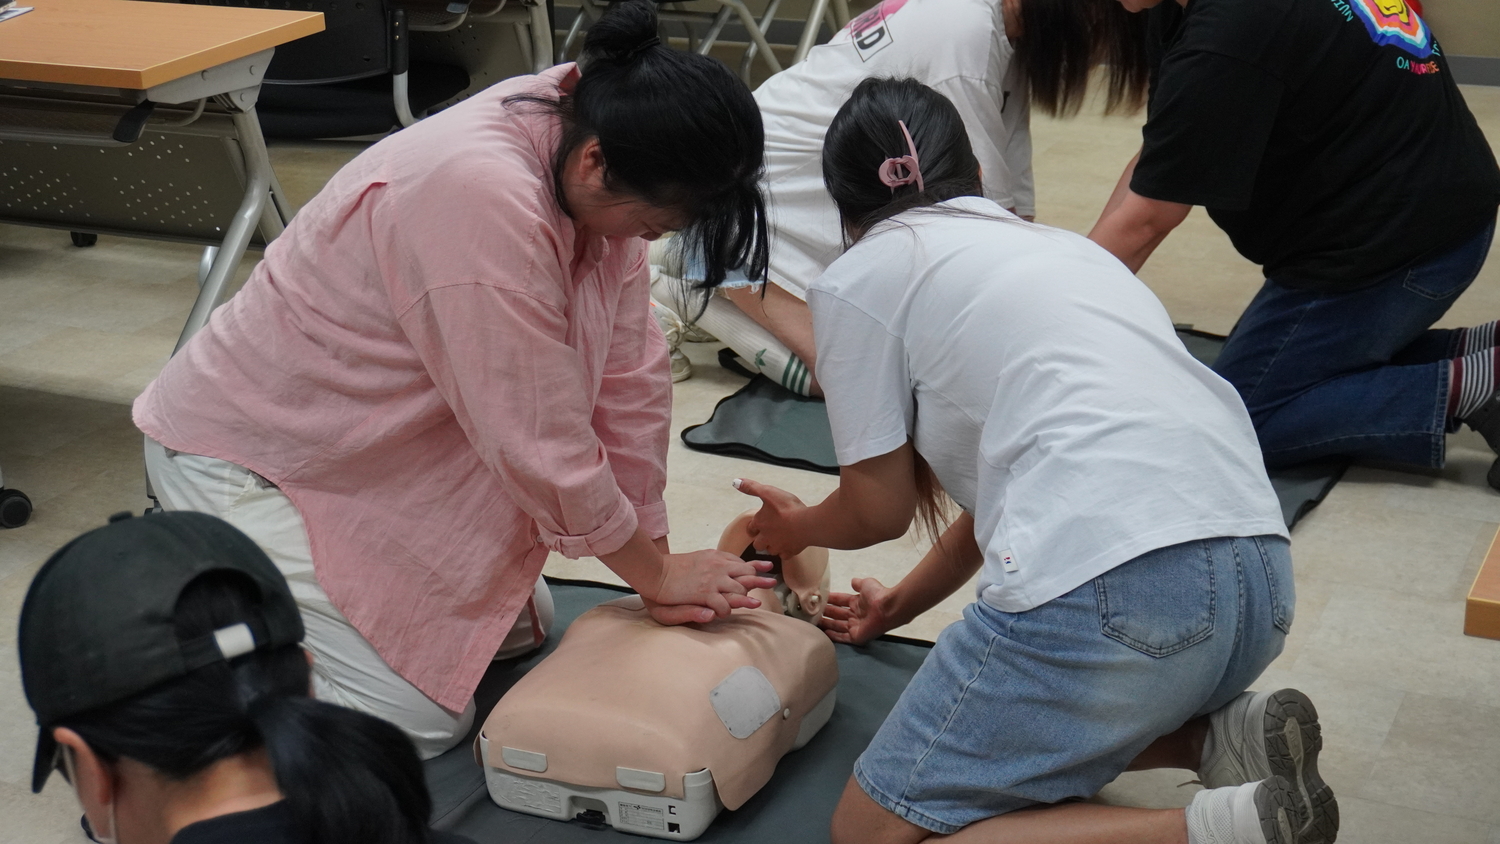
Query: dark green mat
770, 424
795, 806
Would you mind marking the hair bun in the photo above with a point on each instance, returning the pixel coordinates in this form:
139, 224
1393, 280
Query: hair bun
625, 31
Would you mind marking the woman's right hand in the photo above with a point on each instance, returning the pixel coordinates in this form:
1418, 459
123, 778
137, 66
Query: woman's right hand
701, 585
861, 617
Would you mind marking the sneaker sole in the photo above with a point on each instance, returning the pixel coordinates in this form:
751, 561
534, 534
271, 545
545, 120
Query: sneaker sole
1280, 812
1293, 740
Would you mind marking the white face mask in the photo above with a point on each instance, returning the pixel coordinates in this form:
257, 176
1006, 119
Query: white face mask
72, 769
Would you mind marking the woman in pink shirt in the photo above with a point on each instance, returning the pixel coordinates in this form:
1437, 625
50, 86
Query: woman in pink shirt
446, 367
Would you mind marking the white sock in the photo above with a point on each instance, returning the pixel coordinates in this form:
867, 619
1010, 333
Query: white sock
758, 347
1225, 816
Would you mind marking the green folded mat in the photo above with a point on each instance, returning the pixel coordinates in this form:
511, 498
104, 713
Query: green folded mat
768, 423
795, 806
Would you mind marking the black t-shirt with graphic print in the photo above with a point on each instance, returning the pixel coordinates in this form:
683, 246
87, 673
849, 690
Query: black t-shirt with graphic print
1326, 137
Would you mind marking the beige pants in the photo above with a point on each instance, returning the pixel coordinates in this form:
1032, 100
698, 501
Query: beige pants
346, 668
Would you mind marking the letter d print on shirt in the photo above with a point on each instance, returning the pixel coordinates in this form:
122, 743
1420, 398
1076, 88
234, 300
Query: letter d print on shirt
869, 32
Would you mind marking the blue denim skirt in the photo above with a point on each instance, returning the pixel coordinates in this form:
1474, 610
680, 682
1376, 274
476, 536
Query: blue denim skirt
1011, 710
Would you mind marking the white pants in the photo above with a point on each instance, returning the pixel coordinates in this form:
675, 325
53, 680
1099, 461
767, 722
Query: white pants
346, 668
759, 348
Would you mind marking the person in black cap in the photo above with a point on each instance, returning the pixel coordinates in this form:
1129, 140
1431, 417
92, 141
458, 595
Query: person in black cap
162, 658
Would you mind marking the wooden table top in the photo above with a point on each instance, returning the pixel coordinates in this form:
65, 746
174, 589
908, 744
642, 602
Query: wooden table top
137, 45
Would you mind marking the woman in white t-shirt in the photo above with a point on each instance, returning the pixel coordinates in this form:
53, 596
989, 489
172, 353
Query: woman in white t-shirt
981, 55
1134, 572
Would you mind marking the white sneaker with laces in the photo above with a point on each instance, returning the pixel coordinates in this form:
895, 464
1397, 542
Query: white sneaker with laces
1265, 812
1267, 734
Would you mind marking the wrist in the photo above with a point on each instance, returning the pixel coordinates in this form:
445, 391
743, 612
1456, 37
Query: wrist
639, 563
893, 609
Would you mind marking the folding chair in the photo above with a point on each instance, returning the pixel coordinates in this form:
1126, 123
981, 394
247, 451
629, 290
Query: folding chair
354, 78
834, 12
532, 23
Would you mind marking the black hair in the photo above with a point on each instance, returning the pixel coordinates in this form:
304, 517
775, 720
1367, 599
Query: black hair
346, 776
866, 132
676, 129
1062, 42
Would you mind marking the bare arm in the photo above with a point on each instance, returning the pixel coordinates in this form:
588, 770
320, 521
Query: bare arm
1132, 226
873, 610
875, 502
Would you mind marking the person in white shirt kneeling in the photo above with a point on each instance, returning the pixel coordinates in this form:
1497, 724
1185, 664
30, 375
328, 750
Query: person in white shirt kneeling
1134, 572
991, 58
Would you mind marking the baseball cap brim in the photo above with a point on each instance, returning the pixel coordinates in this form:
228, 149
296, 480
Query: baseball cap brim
46, 760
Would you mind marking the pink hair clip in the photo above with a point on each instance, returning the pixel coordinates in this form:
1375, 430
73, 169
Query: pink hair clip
895, 172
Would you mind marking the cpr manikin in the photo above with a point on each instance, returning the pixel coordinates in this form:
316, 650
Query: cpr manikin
653, 729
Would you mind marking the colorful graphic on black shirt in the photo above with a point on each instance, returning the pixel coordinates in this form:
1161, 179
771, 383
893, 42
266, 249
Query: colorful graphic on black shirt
1395, 23
869, 31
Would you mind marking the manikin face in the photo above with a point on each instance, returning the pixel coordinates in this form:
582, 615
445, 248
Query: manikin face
593, 206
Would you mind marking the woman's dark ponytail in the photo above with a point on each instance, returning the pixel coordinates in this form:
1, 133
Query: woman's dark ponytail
676, 129
347, 777
340, 774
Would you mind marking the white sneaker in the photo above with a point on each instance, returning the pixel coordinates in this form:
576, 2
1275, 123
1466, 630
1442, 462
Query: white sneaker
682, 368
1270, 734
1265, 812
672, 327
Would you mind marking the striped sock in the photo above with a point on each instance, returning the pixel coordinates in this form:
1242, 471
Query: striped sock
1473, 382
1477, 338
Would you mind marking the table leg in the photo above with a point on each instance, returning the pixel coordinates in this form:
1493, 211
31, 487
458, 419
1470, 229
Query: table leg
241, 228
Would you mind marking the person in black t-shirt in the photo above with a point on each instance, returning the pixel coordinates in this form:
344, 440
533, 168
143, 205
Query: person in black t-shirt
162, 658
1328, 140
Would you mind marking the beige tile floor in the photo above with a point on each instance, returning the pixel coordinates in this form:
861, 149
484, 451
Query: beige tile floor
1411, 708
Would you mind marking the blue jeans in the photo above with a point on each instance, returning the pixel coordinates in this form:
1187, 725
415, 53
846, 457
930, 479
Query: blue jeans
1357, 374
1014, 709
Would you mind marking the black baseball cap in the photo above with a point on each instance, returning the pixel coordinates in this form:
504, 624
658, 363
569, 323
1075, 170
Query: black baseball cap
97, 626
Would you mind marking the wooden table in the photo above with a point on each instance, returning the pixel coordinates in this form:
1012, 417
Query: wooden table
137, 45
80, 81
1482, 612
90, 151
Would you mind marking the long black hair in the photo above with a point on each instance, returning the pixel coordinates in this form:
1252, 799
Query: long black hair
866, 132
1062, 42
676, 129
346, 776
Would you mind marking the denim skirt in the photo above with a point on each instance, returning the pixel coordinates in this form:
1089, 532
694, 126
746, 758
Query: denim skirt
1012, 710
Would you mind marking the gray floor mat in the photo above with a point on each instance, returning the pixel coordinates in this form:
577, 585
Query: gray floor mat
794, 806
763, 421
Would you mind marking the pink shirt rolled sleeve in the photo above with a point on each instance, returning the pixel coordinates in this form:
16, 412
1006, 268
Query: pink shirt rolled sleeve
446, 378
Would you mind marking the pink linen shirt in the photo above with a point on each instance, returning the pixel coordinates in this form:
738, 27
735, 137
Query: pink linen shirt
445, 377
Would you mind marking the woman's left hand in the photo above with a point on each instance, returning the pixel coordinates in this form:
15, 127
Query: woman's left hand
774, 528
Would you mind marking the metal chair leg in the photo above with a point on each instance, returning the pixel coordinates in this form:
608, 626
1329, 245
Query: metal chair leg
810, 30
541, 38
237, 238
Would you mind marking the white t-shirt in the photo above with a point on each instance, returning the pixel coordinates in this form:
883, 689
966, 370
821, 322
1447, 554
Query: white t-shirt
1046, 387
957, 47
